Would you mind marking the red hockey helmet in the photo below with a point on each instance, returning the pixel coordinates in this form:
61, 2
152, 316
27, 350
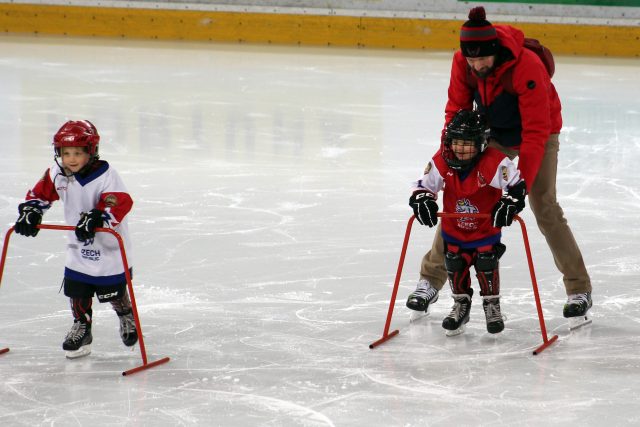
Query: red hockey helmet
81, 133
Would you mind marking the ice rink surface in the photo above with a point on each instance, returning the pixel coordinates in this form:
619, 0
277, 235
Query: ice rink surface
271, 189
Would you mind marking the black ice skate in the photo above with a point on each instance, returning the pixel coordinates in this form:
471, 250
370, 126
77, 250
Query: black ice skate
459, 316
421, 299
491, 306
128, 332
576, 310
78, 341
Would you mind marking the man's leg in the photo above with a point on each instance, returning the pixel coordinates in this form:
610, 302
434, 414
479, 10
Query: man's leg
553, 225
432, 266
432, 276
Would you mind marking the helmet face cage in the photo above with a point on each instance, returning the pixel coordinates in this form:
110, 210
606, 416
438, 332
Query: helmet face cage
80, 133
468, 126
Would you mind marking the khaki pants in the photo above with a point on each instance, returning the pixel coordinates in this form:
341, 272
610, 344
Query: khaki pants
551, 222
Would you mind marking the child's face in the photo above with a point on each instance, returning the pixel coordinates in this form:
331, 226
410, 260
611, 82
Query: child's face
74, 158
464, 149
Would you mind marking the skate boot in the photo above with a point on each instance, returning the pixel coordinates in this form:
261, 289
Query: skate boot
423, 296
576, 310
78, 341
421, 299
459, 316
128, 332
491, 306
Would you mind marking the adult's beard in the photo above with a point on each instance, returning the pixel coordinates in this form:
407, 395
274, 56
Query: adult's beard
482, 74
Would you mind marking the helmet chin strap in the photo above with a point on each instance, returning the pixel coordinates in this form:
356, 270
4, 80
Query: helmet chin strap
81, 172
61, 173
468, 166
62, 168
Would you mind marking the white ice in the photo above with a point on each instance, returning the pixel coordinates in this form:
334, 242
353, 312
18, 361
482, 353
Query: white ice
271, 189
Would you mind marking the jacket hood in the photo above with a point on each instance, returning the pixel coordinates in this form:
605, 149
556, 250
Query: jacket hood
510, 38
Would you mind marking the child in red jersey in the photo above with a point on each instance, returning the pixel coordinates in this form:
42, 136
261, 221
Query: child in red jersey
474, 179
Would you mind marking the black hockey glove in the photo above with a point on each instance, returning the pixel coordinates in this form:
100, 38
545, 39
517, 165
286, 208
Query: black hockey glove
28, 220
89, 221
509, 205
424, 207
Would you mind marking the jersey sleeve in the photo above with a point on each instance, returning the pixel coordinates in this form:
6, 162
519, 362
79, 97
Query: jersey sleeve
114, 200
44, 193
506, 176
431, 180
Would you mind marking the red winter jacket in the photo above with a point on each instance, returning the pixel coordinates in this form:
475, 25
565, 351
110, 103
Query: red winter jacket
522, 119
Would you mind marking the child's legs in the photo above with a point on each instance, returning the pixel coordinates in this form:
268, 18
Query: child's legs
117, 295
458, 262
122, 305
487, 268
81, 299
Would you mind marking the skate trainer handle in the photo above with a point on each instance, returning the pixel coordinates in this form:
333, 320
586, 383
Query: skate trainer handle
125, 264
386, 335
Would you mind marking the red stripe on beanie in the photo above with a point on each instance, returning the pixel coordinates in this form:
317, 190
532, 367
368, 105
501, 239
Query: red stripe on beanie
487, 32
478, 37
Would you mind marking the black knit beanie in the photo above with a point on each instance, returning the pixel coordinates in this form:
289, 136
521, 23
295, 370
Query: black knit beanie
477, 36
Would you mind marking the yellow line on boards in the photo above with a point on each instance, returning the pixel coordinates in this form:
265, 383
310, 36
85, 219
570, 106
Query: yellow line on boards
296, 29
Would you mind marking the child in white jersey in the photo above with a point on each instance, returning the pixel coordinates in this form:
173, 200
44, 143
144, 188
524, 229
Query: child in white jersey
94, 196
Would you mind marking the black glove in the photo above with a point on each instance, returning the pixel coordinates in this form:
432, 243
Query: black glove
424, 207
509, 205
89, 221
28, 220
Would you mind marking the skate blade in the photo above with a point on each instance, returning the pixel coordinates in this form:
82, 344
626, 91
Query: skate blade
417, 315
455, 332
81, 352
579, 322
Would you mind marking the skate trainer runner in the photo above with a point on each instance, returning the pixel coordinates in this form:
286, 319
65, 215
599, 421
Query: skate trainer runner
94, 196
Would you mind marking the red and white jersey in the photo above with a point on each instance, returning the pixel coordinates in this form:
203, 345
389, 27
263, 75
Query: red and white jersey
474, 191
98, 260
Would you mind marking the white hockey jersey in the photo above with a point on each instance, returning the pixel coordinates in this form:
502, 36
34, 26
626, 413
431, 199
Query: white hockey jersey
96, 261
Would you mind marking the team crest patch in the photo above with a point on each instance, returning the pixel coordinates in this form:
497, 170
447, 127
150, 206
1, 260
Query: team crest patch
427, 169
465, 206
505, 173
111, 200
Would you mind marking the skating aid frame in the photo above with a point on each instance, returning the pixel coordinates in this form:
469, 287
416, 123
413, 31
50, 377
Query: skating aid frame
143, 352
386, 335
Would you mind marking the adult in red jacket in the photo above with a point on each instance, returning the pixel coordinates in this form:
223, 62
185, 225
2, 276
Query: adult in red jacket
510, 85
